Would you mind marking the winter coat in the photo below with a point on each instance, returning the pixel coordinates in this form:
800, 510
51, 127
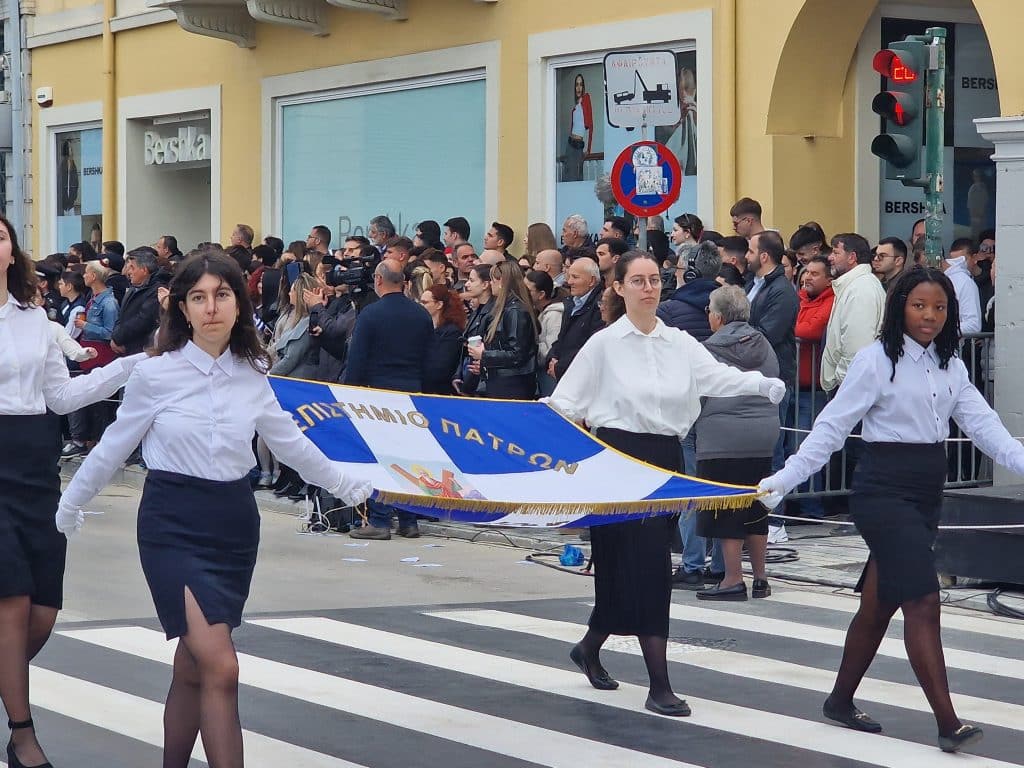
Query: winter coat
746, 426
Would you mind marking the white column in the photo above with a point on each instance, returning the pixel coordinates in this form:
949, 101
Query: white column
1007, 134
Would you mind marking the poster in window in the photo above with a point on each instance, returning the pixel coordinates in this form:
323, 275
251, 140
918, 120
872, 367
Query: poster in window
584, 141
79, 187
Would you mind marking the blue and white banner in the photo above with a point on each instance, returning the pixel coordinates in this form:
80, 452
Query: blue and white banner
494, 462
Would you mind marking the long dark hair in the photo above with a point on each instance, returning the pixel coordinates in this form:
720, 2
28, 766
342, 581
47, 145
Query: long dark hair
616, 306
947, 341
21, 275
174, 330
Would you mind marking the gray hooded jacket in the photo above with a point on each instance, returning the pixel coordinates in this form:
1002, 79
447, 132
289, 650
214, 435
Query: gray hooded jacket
745, 426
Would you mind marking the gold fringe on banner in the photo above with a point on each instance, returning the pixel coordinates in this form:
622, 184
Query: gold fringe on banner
694, 504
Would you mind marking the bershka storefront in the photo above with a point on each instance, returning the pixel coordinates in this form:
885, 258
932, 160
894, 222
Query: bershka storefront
171, 161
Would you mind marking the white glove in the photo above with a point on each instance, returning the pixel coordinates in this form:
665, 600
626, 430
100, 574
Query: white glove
773, 389
773, 491
69, 518
352, 491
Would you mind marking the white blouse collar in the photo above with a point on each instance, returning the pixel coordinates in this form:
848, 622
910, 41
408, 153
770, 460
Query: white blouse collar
624, 327
204, 362
915, 350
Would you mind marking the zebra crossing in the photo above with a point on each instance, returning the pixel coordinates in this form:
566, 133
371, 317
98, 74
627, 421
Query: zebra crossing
491, 685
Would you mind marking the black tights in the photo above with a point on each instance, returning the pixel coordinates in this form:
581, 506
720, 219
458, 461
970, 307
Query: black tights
655, 650
923, 640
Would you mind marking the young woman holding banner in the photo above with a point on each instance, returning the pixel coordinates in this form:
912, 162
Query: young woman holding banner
194, 406
905, 388
639, 384
34, 384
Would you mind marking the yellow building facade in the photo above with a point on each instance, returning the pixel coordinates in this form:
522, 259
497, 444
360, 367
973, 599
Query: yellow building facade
187, 117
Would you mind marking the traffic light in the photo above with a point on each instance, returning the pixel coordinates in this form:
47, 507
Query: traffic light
903, 65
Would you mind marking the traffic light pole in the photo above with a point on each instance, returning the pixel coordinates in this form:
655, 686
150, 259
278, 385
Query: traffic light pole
935, 129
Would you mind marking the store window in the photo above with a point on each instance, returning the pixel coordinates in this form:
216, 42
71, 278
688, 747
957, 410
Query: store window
414, 152
585, 145
79, 187
969, 190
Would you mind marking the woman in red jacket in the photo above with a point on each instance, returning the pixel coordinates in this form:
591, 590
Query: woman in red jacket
581, 132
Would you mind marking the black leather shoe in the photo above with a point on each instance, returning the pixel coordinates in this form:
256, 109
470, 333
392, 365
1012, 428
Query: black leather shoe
12, 757
683, 579
599, 678
737, 593
300, 493
962, 737
760, 588
849, 716
287, 490
682, 709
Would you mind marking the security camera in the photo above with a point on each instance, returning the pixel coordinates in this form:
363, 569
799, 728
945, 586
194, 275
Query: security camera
44, 97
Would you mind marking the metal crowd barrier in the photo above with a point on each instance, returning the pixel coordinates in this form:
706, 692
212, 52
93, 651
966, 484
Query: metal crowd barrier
968, 467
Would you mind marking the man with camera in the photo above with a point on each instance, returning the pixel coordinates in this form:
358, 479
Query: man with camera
389, 348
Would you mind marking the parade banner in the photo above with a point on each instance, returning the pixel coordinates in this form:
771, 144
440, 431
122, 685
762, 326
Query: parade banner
498, 462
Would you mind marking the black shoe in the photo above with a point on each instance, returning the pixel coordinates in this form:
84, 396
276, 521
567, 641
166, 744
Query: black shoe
963, 736
282, 482
12, 757
300, 493
288, 490
72, 449
760, 588
713, 577
599, 678
682, 709
737, 593
850, 716
684, 579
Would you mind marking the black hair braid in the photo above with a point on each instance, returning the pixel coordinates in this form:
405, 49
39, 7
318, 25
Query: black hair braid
947, 341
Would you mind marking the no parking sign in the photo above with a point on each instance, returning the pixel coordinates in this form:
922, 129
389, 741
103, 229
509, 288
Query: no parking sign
646, 178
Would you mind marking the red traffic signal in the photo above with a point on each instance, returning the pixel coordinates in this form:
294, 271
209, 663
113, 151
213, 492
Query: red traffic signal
889, 65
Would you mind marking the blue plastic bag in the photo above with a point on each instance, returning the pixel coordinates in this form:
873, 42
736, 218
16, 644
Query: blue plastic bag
571, 555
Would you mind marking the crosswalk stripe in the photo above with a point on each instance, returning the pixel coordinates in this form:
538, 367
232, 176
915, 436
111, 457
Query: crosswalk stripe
748, 622
142, 720
780, 729
1008, 629
749, 666
494, 734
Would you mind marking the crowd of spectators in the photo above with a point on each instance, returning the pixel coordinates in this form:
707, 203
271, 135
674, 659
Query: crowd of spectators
427, 311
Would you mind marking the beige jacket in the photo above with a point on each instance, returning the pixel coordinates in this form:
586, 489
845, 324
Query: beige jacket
854, 323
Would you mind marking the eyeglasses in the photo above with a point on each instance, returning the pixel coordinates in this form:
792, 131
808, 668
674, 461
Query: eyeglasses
640, 282
987, 249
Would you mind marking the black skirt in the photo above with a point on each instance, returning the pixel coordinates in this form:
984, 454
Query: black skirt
734, 523
32, 550
896, 502
633, 560
200, 534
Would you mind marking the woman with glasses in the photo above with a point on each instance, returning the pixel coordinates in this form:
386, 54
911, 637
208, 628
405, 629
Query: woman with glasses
638, 384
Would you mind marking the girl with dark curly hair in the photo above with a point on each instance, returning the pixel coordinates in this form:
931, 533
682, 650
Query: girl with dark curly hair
905, 388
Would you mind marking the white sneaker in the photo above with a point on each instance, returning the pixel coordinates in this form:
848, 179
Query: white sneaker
777, 534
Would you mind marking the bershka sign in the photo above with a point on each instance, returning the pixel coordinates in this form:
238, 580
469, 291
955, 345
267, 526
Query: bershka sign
188, 146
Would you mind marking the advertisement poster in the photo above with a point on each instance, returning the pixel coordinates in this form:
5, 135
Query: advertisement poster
586, 145
79, 187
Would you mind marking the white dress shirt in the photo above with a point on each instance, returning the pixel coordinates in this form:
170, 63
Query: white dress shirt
914, 408
967, 295
645, 383
33, 374
196, 415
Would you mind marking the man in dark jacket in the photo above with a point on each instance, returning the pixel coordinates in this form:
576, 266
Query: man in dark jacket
389, 348
140, 310
773, 301
774, 306
687, 308
581, 318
